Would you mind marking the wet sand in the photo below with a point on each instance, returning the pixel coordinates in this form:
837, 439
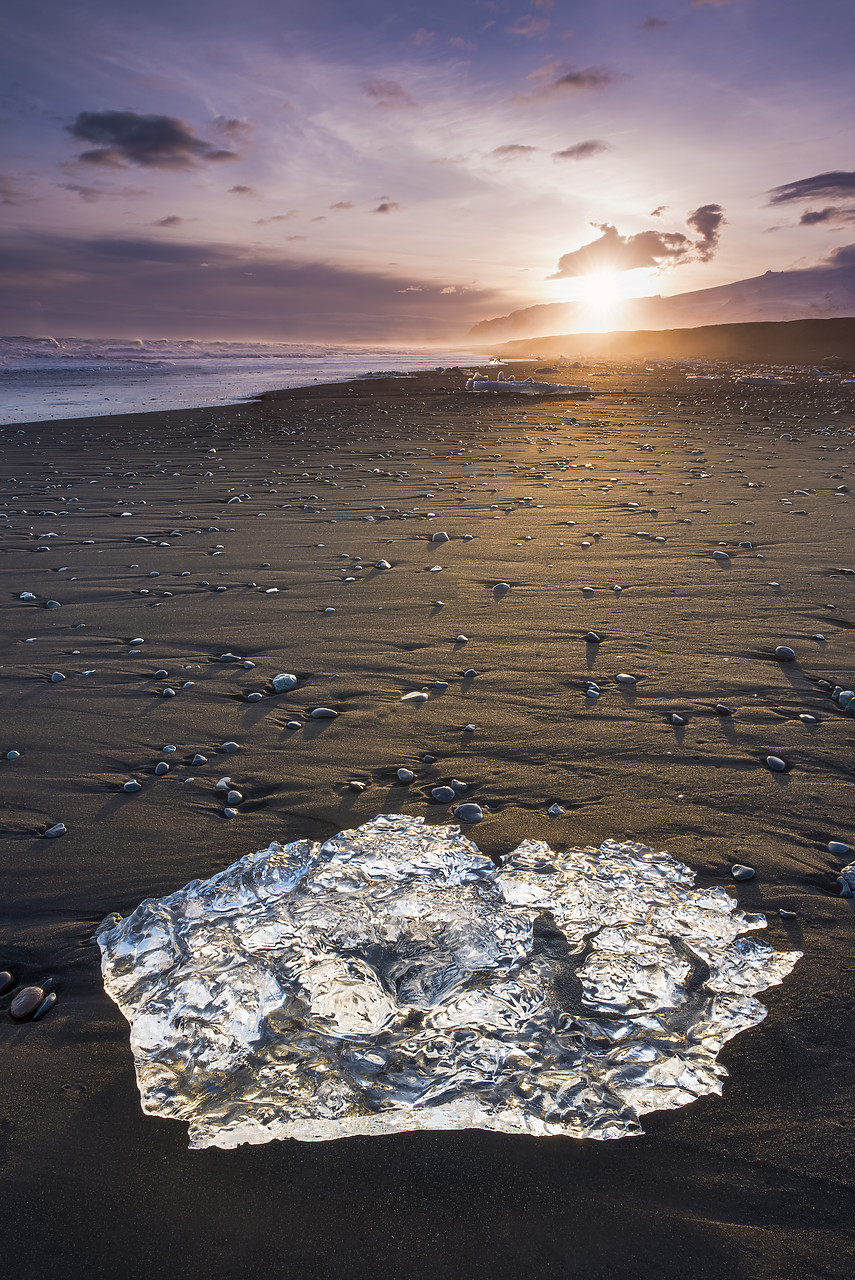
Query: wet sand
758, 1183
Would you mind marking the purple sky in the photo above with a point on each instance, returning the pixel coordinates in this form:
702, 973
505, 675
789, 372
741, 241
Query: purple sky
352, 170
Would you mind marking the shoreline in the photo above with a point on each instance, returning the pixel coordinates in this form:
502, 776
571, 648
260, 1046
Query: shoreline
562, 499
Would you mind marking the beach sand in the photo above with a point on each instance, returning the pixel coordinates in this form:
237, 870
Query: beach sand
757, 1183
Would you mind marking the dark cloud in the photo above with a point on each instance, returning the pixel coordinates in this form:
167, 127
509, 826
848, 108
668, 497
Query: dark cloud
234, 130
707, 221
172, 220
832, 213
658, 211
343, 204
556, 79
241, 190
89, 194
194, 289
388, 94
843, 256
276, 217
581, 150
157, 142
386, 206
655, 24
513, 151
614, 252
838, 184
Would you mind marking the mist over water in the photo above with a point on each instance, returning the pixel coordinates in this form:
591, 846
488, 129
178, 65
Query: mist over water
45, 378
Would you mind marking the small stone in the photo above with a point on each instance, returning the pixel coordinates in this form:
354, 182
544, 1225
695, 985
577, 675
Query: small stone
229, 812
837, 846
161, 673
132, 785
52, 604
405, 775
806, 718
470, 674
26, 595
461, 639
253, 697
741, 872
13, 755
382, 564
469, 812
169, 749
675, 719
786, 915
56, 677
329, 610
443, 795
58, 829
199, 759
776, 764
26, 1002
234, 797
623, 678
283, 682
784, 653
722, 710
222, 784
502, 587
355, 785
46, 1005
293, 724
6, 981
229, 748
416, 696
469, 728
229, 657
324, 713
439, 536
161, 768
167, 692
722, 556
555, 810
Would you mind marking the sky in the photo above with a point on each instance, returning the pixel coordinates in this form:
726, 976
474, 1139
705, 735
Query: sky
352, 170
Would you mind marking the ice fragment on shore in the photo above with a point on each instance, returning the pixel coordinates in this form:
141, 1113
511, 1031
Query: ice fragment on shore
407, 966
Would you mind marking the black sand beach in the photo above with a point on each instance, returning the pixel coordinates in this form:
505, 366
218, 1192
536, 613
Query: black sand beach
564, 499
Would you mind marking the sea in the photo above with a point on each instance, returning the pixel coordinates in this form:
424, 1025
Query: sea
45, 377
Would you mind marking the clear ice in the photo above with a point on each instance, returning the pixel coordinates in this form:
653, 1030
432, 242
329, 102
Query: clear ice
394, 978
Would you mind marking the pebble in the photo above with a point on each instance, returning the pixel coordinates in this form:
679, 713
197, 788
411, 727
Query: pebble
382, 564
161, 768
623, 678
58, 829
741, 872
13, 755
229, 812
132, 785
786, 915
784, 653
405, 775
837, 846
199, 759
26, 595
46, 1005
6, 981
439, 536
555, 810
253, 697
469, 728
229, 748
469, 812
776, 764
461, 639
52, 604
222, 784
806, 718
26, 1002
234, 797
161, 673
324, 713
443, 795
293, 724
329, 610
675, 719
502, 586
722, 710
591, 637
167, 692
721, 555
56, 677
413, 697
356, 785
284, 681
470, 673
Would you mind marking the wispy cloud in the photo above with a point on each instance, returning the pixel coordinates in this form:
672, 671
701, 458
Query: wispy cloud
581, 150
557, 79
837, 184
513, 151
386, 206
388, 94
528, 25
242, 190
152, 141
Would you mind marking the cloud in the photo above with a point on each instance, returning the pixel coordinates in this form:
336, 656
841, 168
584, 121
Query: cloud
172, 220
557, 79
89, 194
182, 288
460, 43
528, 25
832, 213
157, 142
707, 221
838, 184
513, 151
386, 206
581, 150
388, 94
422, 36
241, 190
614, 252
276, 217
13, 193
450, 288
843, 256
343, 204
658, 211
234, 130
655, 24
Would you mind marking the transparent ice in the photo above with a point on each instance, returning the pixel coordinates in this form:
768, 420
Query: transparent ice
394, 978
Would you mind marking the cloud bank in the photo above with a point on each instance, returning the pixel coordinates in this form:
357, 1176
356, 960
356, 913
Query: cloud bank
614, 252
152, 141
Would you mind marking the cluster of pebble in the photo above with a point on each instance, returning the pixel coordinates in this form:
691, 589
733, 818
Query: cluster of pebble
30, 1003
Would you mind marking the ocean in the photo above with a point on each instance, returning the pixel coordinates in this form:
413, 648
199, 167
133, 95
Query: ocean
44, 378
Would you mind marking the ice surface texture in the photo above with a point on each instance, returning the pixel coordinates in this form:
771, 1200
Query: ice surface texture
394, 978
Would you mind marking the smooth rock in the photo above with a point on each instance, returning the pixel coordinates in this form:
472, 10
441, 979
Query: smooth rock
591, 637
623, 678
439, 536
253, 697
293, 724
13, 755
382, 564
26, 595
443, 795
806, 718
56, 677
740, 872
722, 709
6, 981
46, 1005
167, 692
284, 681
786, 915
356, 785
161, 768
469, 812
469, 728
784, 653
405, 775
416, 696
837, 846
234, 797
470, 673
58, 829
721, 555
675, 719
132, 785
199, 759
52, 604
555, 810
230, 657
229, 748
25, 1003
776, 764
229, 812
502, 587
324, 713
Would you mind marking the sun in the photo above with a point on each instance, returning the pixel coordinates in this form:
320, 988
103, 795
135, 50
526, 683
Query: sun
601, 295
